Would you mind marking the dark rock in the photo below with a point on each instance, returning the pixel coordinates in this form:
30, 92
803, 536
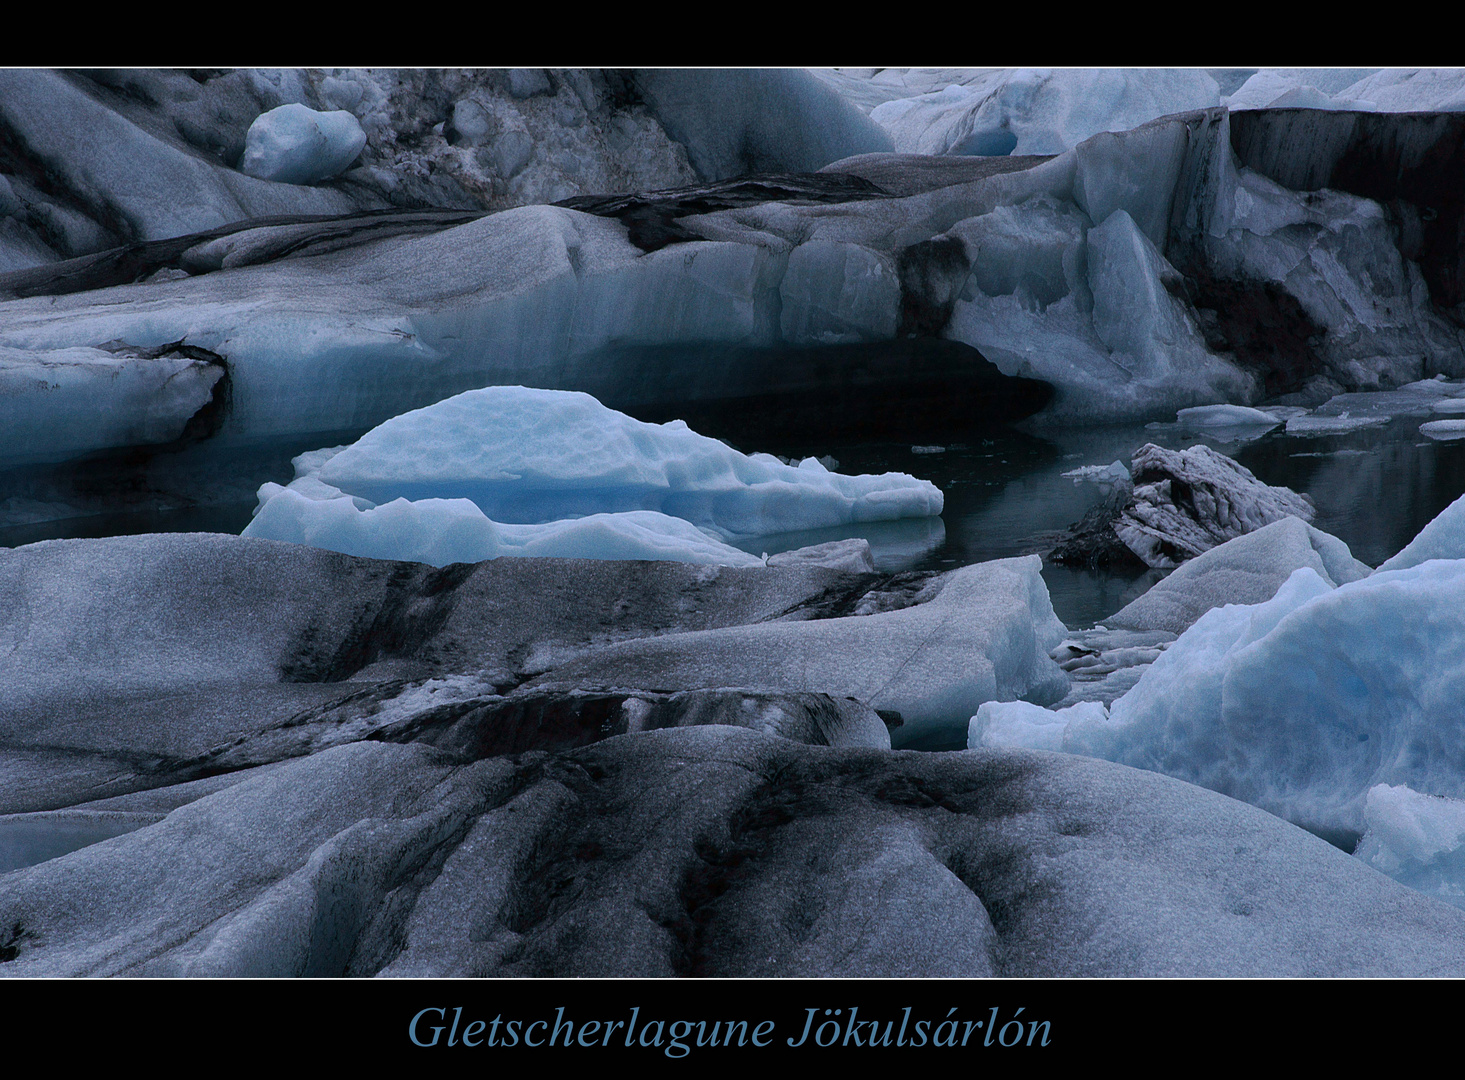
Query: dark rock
249, 242
651, 216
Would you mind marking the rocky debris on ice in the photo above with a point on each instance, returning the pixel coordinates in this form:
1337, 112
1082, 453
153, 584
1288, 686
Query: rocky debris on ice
651, 217
1185, 502
138, 661
985, 635
244, 243
545, 473
1178, 504
1247, 569
721, 852
295, 144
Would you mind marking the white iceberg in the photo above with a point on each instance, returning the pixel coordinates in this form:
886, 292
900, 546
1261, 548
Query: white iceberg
504, 470
1225, 416
443, 531
530, 456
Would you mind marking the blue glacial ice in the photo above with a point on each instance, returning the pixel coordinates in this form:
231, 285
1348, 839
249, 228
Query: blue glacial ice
510, 470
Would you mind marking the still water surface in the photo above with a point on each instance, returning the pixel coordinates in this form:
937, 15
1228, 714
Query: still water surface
1374, 488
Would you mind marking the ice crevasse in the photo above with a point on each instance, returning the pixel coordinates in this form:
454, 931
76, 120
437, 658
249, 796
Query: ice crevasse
510, 470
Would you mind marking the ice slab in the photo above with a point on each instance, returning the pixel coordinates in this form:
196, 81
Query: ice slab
1225, 416
1443, 429
985, 636
1021, 724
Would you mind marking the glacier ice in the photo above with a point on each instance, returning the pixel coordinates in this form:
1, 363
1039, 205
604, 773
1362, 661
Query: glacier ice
295, 144
1442, 538
1418, 840
443, 531
530, 456
499, 471
58, 404
1304, 703
1039, 110
1247, 569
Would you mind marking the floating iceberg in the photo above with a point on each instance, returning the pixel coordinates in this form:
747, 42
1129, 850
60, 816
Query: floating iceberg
1225, 416
435, 485
1443, 429
443, 531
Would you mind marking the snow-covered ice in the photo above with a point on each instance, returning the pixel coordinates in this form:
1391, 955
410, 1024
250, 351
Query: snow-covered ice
295, 144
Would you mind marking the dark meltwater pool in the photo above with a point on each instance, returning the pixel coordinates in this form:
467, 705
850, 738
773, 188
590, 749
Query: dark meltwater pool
1005, 495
